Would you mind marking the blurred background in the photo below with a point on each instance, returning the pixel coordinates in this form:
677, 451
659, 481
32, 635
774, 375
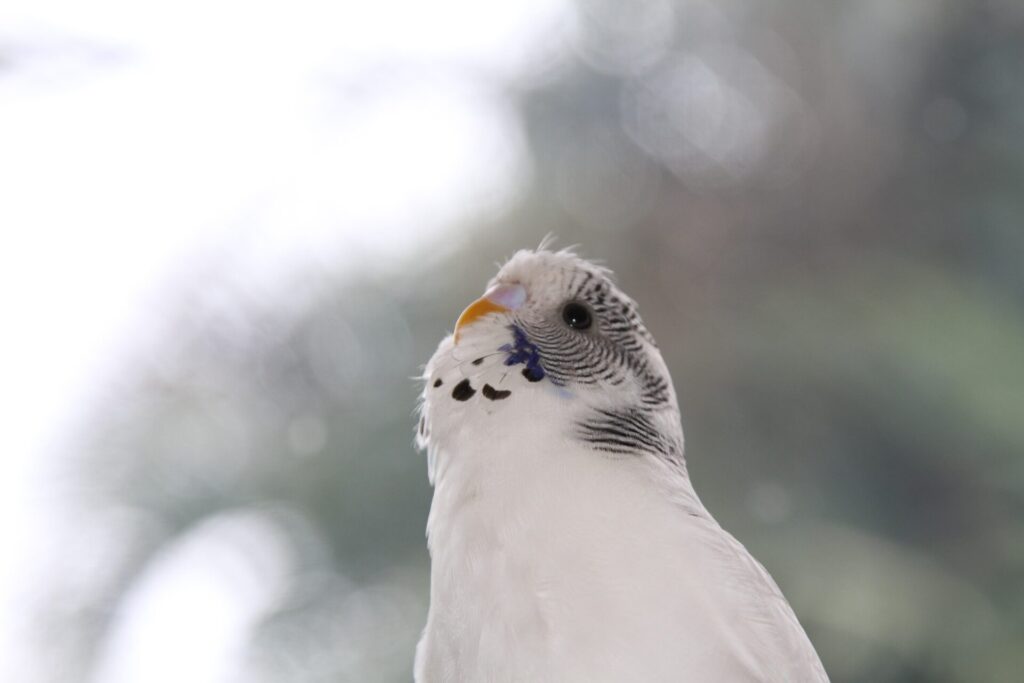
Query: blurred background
233, 232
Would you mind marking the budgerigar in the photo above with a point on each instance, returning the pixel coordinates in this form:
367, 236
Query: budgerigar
566, 540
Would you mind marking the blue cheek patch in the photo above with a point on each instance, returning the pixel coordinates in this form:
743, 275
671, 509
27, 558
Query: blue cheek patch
522, 350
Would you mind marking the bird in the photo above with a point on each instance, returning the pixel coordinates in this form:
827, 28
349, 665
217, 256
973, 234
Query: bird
566, 540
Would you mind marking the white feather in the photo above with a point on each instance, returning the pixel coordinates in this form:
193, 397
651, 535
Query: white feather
555, 562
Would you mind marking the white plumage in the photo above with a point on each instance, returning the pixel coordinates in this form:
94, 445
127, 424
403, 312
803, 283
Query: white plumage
567, 542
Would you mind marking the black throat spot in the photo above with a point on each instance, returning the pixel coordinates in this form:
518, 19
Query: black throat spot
495, 394
463, 391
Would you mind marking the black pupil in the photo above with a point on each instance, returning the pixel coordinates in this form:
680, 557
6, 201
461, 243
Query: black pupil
576, 316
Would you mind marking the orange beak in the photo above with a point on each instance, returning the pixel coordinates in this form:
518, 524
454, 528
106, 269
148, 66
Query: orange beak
498, 299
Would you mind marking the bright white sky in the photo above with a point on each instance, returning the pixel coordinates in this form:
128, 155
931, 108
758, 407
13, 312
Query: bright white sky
137, 136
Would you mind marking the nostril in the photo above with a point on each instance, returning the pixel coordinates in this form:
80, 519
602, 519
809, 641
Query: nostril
511, 296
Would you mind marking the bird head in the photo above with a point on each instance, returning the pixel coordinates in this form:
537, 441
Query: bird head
553, 329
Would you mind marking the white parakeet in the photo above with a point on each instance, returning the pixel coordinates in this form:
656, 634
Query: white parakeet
567, 542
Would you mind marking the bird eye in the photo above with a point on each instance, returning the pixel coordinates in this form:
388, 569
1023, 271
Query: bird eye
576, 316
